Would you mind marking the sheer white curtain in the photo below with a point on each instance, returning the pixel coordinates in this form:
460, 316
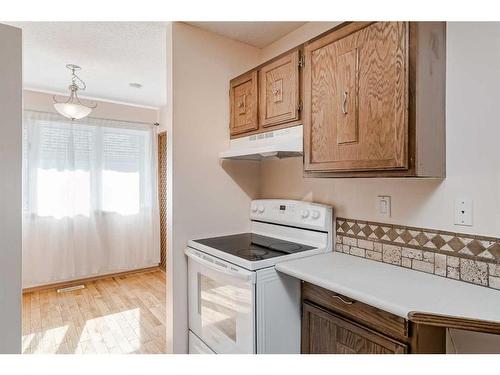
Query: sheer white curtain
90, 198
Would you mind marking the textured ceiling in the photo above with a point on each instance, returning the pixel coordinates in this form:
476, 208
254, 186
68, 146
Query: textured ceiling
114, 54
111, 54
257, 34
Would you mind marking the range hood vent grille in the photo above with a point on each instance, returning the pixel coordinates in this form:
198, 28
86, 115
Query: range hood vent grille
283, 143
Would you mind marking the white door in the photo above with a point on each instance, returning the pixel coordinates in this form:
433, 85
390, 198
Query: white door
221, 303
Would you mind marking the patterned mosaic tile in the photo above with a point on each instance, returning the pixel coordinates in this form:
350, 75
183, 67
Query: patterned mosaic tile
468, 258
476, 246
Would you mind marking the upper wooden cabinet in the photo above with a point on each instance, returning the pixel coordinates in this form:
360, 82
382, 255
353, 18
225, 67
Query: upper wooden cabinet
374, 101
244, 99
279, 90
371, 97
267, 97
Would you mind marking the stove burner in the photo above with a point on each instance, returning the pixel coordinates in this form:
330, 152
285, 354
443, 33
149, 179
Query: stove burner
285, 247
252, 253
253, 247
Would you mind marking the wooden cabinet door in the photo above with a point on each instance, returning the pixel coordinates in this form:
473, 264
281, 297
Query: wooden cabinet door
356, 99
243, 102
326, 333
279, 90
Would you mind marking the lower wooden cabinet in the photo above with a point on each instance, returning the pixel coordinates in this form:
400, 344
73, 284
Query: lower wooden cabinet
327, 333
335, 324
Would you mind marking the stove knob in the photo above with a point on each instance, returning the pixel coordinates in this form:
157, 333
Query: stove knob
315, 214
254, 208
304, 214
261, 209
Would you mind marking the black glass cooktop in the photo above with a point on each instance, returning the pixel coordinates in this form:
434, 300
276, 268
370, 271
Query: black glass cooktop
253, 247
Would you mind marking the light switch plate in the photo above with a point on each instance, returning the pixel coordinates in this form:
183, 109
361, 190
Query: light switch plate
384, 206
463, 211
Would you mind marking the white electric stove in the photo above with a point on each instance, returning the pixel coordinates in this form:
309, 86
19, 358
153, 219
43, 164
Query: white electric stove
238, 302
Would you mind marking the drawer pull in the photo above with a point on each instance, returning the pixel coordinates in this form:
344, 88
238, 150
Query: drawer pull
343, 300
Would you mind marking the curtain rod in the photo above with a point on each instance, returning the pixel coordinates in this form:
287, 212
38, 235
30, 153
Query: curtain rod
96, 118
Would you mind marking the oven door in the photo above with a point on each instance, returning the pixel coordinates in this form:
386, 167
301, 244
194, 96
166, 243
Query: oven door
221, 303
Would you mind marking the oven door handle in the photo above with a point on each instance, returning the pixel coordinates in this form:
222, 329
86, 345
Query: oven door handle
221, 266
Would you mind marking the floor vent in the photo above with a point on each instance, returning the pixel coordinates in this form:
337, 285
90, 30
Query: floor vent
71, 288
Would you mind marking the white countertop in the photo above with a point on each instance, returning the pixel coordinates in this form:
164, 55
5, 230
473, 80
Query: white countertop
395, 289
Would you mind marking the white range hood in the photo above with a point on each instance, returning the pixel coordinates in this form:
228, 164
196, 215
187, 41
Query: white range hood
283, 143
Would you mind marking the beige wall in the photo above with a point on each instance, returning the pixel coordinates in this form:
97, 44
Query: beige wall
163, 118
207, 198
40, 101
472, 154
302, 34
473, 159
10, 189
166, 125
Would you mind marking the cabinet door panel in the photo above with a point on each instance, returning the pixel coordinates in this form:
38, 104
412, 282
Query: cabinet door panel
326, 333
243, 97
322, 335
347, 113
279, 90
356, 100
383, 94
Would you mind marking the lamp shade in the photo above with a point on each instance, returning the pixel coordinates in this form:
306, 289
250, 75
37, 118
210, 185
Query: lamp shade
72, 110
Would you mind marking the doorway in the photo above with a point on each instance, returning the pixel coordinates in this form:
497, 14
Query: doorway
93, 245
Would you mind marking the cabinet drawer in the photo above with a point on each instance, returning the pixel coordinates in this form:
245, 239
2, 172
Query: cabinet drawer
367, 315
327, 333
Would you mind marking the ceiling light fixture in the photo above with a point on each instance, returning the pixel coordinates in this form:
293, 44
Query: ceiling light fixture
72, 107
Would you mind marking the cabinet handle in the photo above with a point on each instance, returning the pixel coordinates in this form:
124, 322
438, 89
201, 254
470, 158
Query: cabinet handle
343, 300
242, 104
344, 102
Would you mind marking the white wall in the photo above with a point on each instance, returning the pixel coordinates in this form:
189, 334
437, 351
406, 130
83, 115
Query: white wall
205, 197
10, 188
473, 159
40, 101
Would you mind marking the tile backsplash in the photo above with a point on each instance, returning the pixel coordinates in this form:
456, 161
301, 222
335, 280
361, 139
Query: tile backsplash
464, 257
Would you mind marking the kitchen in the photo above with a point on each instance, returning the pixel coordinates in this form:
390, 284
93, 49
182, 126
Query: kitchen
409, 222
332, 187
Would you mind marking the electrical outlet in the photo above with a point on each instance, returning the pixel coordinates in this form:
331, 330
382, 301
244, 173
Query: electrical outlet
384, 206
463, 211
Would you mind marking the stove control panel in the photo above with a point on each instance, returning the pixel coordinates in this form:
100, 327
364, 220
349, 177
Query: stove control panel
294, 213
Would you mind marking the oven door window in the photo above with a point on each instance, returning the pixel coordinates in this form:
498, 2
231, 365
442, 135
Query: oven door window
221, 312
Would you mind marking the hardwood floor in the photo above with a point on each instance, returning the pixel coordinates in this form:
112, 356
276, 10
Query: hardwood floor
124, 314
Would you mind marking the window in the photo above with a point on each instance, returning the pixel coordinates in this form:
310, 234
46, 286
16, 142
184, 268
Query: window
90, 198
79, 168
